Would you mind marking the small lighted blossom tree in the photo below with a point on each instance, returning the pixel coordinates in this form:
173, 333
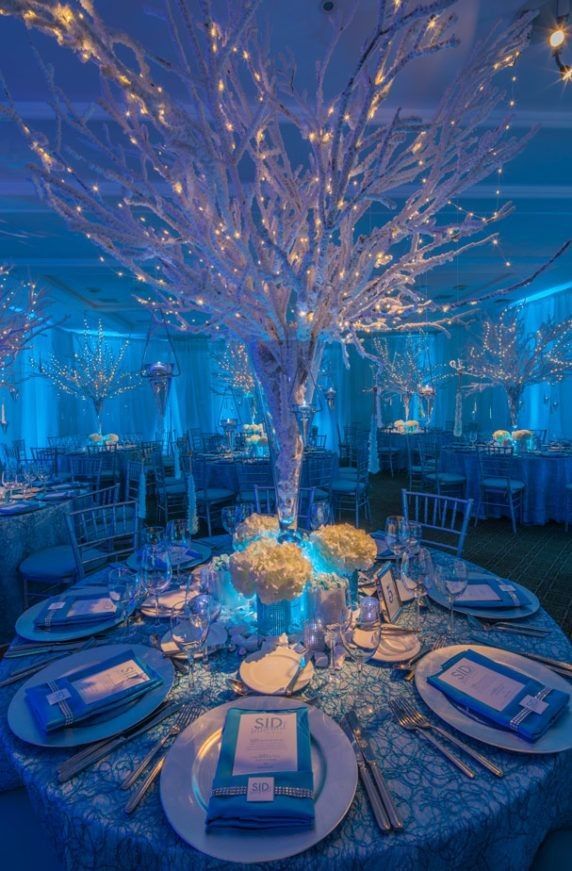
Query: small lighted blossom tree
22, 318
403, 372
504, 355
231, 194
94, 374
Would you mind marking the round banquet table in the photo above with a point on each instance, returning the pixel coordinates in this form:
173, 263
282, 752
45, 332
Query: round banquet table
450, 822
545, 476
21, 535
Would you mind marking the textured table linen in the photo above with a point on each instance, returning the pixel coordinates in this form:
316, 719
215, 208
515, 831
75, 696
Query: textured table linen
545, 477
450, 821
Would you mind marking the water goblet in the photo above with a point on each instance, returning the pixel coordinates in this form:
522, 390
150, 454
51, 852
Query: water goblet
157, 574
189, 630
451, 578
415, 535
396, 536
361, 637
121, 586
332, 636
178, 537
416, 568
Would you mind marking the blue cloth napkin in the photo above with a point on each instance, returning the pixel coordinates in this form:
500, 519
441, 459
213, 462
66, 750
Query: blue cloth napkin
383, 551
18, 507
507, 598
285, 811
73, 698
58, 613
534, 724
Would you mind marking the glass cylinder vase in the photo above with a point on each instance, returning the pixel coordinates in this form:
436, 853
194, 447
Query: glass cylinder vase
275, 618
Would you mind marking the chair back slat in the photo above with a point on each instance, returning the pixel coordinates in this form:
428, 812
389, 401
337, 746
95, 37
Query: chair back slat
101, 534
445, 519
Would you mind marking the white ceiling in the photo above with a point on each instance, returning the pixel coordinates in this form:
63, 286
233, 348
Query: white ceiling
538, 181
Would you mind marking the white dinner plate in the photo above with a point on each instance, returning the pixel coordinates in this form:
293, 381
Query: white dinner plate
169, 601
270, 673
181, 558
104, 725
190, 767
26, 629
215, 640
558, 737
397, 647
530, 606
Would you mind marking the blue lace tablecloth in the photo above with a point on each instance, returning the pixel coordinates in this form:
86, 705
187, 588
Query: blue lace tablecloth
545, 477
450, 821
21, 535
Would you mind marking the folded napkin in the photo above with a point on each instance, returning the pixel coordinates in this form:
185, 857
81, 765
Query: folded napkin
18, 507
74, 610
90, 690
508, 698
485, 591
264, 774
383, 551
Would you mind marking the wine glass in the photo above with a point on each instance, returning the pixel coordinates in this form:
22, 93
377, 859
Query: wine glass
153, 535
189, 630
415, 535
314, 637
232, 515
416, 567
157, 574
333, 633
396, 536
122, 586
361, 636
8, 480
178, 537
451, 578
320, 513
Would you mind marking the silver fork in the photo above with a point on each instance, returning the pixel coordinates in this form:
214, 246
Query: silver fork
408, 723
423, 723
187, 715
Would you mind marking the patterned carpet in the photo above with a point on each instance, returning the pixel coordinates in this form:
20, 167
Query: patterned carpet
540, 557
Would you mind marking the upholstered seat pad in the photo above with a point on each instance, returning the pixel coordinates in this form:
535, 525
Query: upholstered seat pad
53, 563
447, 477
503, 484
214, 494
343, 485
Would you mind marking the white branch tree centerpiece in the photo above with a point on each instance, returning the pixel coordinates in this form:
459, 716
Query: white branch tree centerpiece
22, 318
231, 194
504, 355
401, 372
95, 373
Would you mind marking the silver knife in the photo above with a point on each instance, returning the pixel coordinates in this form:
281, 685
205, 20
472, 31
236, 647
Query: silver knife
70, 768
376, 804
555, 663
378, 777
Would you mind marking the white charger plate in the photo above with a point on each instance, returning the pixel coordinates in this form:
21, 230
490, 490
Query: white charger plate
169, 601
189, 769
196, 554
23, 724
269, 673
215, 640
395, 647
26, 629
557, 738
530, 606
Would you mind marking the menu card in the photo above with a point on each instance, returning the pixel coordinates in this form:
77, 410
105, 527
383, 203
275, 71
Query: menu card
266, 742
110, 681
482, 683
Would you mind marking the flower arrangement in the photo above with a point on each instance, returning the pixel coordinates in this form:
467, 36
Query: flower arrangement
254, 434
255, 526
327, 596
274, 571
399, 425
501, 436
519, 435
411, 425
96, 438
345, 546
111, 438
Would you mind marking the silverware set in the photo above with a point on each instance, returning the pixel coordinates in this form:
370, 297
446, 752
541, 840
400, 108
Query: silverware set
186, 716
409, 723
403, 708
488, 625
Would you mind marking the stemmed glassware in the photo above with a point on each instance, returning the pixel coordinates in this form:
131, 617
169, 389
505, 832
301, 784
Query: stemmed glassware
397, 536
156, 572
232, 515
416, 575
9, 480
122, 585
451, 578
361, 635
189, 631
178, 537
334, 629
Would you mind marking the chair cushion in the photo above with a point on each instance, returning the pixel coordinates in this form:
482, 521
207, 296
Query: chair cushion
447, 477
320, 494
344, 485
502, 484
347, 472
49, 563
214, 494
176, 487
387, 450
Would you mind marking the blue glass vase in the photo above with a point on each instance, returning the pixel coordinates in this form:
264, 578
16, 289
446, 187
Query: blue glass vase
286, 616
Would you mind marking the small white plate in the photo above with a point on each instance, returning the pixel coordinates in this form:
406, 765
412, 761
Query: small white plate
215, 640
187, 776
194, 555
557, 738
270, 673
169, 601
23, 724
395, 647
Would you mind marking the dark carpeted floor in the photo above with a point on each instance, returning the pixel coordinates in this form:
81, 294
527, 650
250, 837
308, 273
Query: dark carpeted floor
540, 557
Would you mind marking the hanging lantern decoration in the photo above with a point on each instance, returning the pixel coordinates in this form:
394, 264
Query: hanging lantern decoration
427, 393
3, 419
304, 414
457, 366
330, 395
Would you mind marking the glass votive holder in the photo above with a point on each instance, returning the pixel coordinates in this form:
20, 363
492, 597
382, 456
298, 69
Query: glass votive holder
369, 609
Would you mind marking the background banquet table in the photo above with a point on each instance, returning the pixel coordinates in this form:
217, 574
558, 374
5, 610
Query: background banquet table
545, 476
450, 822
21, 535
